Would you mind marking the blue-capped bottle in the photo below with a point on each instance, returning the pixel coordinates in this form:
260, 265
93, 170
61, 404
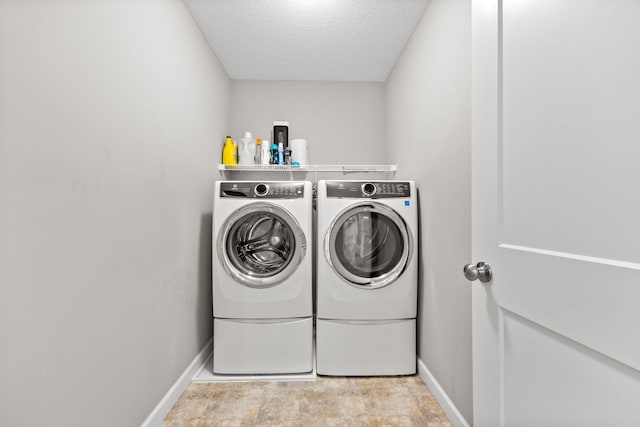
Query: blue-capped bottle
280, 153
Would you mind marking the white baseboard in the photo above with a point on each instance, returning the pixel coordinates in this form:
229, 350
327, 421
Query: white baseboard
448, 407
161, 410
194, 369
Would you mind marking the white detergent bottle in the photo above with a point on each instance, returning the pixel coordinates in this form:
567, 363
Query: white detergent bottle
246, 149
265, 157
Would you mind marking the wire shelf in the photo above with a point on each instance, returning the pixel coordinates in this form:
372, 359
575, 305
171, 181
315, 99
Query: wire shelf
310, 168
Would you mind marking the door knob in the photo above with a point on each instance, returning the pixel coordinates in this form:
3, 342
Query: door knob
480, 271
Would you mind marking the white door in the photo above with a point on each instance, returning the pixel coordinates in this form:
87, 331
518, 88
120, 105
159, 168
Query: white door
556, 212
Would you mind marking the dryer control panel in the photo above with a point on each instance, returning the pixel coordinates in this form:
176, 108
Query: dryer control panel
262, 190
368, 189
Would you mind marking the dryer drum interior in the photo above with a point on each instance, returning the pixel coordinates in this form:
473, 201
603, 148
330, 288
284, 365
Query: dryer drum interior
262, 245
368, 245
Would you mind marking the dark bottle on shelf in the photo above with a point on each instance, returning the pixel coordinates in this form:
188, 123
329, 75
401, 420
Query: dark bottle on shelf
274, 154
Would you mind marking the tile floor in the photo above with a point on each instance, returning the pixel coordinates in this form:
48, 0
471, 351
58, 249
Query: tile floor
327, 401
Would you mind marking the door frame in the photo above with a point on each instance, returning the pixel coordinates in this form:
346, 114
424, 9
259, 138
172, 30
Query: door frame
486, 124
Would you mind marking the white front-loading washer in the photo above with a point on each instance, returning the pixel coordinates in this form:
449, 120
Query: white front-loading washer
261, 277
367, 277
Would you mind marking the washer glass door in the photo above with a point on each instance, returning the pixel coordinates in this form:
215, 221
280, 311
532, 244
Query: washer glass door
368, 245
261, 245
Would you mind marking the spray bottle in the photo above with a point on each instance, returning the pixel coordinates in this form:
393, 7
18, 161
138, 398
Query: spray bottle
265, 157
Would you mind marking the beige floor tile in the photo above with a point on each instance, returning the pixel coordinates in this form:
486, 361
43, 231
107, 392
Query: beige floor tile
218, 423
328, 401
352, 406
319, 404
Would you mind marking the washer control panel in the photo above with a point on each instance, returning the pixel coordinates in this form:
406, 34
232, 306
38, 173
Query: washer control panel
368, 189
262, 190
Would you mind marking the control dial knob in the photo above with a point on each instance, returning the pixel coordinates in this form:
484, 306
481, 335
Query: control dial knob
369, 189
261, 190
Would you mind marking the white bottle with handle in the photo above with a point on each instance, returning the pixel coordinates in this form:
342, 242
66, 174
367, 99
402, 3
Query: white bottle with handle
246, 149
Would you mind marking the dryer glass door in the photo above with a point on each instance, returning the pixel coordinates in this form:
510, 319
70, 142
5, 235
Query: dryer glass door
261, 245
368, 245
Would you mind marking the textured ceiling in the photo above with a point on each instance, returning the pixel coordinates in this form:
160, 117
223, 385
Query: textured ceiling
335, 40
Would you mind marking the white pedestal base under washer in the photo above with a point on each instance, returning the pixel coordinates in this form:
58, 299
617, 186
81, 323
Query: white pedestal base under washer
367, 278
262, 274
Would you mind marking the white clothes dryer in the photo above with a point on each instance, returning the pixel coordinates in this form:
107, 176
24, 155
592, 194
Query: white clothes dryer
262, 274
367, 277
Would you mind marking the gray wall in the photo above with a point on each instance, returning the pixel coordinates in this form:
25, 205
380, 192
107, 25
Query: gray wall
343, 122
428, 113
110, 117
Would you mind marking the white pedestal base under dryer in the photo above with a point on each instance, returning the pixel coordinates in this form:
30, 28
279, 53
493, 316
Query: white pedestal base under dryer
367, 277
366, 348
262, 277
